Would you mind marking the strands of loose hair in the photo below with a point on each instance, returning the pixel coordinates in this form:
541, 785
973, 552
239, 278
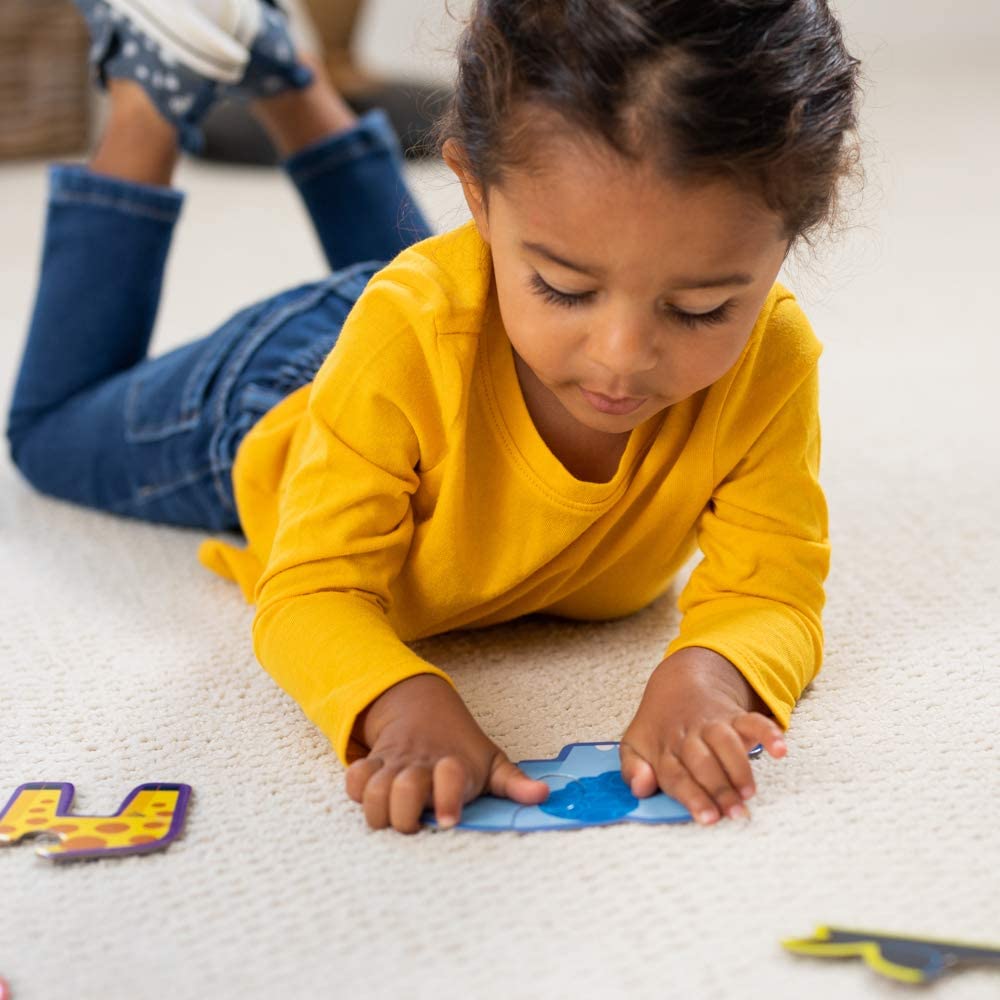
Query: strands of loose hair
763, 92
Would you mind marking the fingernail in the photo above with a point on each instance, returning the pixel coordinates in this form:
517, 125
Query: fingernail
747, 792
446, 822
708, 816
738, 812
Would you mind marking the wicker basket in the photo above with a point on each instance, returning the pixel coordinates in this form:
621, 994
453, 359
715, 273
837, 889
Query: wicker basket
44, 94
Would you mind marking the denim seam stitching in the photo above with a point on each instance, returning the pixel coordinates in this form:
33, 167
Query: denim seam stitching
345, 275
235, 366
147, 433
147, 494
289, 375
337, 158
190, 409
123, 205
232, 374
187, 419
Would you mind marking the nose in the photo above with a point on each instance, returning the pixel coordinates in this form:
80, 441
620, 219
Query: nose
624, 349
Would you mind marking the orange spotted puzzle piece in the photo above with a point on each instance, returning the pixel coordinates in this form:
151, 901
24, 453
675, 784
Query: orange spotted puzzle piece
151, 816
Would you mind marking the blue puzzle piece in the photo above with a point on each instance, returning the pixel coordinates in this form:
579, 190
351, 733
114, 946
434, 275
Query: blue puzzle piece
586, 790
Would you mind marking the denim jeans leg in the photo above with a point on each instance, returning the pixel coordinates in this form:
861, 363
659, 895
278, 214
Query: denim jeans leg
74, 400
353, 187
95, 422
105, 248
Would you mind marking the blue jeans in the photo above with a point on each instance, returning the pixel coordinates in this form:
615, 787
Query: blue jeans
96, 422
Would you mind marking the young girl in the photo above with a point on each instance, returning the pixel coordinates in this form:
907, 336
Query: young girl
544, 410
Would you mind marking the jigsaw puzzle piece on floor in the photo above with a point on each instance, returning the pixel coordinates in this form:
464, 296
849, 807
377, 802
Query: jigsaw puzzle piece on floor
151, 816
905, 959
586, 790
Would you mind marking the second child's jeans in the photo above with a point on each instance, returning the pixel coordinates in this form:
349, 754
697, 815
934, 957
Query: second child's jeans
96, 422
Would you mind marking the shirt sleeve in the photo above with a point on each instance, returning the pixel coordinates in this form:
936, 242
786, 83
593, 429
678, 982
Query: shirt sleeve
757, 595
345, 526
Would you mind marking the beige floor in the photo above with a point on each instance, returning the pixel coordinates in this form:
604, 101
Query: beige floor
122, 661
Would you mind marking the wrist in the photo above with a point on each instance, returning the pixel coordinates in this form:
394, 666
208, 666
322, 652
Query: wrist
703, 666
413, 695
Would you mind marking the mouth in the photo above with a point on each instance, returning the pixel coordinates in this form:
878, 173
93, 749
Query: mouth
610, 404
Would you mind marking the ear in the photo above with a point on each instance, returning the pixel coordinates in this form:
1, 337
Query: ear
454, 155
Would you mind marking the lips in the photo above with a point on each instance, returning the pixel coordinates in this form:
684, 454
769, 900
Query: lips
613, 405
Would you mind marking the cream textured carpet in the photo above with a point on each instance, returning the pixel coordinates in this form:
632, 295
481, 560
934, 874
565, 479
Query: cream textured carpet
122, 662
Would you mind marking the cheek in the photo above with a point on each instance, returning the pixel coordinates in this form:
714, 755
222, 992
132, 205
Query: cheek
540, 333
518, 307
704, 361
724, 360
555, 336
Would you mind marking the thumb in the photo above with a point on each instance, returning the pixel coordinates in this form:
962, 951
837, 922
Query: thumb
637, 772
509, 782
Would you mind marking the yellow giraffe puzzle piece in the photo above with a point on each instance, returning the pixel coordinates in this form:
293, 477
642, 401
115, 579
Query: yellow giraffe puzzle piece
151, 816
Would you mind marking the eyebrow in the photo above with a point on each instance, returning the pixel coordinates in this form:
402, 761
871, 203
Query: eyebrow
683, 284
544, 251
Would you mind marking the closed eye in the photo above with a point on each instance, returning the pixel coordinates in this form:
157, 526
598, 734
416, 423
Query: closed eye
693, 320
570, 300
541, 287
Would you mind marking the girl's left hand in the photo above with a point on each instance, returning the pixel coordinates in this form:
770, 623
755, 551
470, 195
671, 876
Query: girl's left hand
697, 720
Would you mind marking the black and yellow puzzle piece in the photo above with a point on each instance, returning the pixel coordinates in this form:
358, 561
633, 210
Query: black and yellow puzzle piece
905, 959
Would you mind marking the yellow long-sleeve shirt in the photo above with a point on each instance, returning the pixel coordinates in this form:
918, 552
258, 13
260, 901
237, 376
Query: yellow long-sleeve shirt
406, 492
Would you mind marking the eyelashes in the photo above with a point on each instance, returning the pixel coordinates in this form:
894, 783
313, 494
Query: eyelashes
716, 316
571, 301
541, 287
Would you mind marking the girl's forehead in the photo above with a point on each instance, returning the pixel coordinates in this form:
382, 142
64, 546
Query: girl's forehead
580, 193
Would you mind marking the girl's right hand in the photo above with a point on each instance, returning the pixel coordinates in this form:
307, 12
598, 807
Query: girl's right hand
427, 750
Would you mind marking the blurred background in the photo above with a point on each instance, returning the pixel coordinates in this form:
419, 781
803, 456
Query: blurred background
45, 104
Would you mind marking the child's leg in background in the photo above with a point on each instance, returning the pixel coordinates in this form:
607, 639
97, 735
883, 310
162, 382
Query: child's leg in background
349, 174
107, 236
94, 423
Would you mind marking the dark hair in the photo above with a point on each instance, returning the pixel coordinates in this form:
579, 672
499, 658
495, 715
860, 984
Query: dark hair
761, 91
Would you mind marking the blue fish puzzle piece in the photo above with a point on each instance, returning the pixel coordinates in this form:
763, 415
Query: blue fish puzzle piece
586, 790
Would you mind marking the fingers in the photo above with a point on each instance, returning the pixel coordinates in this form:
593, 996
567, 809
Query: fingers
449, 791
698, 775
708, 770
756, 728
358, 775
637, 772
390, 795
397, 795
510, 782
726, 745
377, 793
408, 796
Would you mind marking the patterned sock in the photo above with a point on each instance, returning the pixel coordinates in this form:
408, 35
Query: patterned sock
273, 65
121, 49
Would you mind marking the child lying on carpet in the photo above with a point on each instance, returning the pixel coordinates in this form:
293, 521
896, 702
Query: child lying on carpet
544, 410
